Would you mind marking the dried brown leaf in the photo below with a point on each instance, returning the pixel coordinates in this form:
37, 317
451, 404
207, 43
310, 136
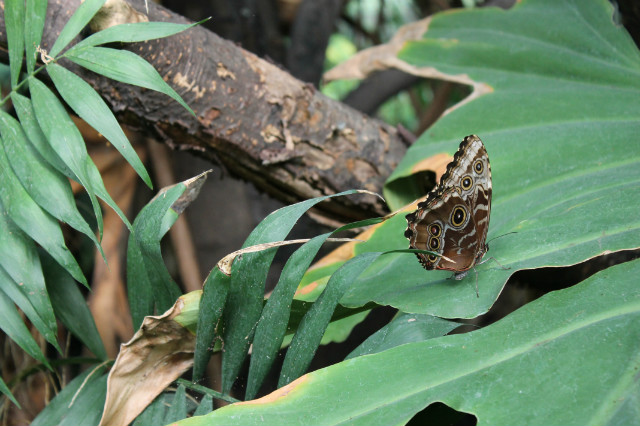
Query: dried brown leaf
160, 351
385, 56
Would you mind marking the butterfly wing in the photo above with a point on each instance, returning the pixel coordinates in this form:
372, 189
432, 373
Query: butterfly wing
470, 173
454, 219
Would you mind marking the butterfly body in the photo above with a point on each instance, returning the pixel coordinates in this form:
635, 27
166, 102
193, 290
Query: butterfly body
453, 221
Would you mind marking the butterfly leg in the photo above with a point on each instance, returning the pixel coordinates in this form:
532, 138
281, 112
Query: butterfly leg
495, 260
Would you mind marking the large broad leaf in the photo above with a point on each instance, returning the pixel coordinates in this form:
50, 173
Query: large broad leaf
405, 328
557, 107
520, 370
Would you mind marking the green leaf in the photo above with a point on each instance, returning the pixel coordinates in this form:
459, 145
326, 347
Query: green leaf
178, 409
22, 278
124, 66
46, 186
149, 283
91, 108
521, 369
275, 314
244, 304
307, 338
14, 23
558, 112
405, 328
139, 287
80, 18
30, 125
212, 302
148, 280
132, 33
66, 140
36, 11
11, 323
153, 414
70, 306
272, 326
205, 407
7, 392
14, 292
80, 401
36, 223
87, 406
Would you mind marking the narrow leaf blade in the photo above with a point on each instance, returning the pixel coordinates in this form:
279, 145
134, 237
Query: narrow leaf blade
214, 298
76, 23
205, 407
59, 407
36, 223
132, 33
148, 280
244, 304
14, 22
66, 140
178, 409
7, 392
11, 323
91, 108
31, 127
36, 11
307, 338
275, 314
71, 307
405, 328
124, 66
48, 188
21, 273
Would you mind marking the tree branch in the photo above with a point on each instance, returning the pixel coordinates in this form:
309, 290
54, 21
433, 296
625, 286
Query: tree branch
254, 118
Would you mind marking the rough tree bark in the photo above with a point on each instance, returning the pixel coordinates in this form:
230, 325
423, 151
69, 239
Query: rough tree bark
254, 118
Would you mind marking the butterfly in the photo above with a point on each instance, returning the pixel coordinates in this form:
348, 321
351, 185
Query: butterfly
454, 219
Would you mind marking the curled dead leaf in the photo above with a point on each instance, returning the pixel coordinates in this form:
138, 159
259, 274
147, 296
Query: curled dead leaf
226, 262
160, 352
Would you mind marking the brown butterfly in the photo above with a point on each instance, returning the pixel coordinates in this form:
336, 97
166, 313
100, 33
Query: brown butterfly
454, 219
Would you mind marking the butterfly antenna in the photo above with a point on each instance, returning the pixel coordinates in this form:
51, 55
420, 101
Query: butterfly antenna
500, 236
